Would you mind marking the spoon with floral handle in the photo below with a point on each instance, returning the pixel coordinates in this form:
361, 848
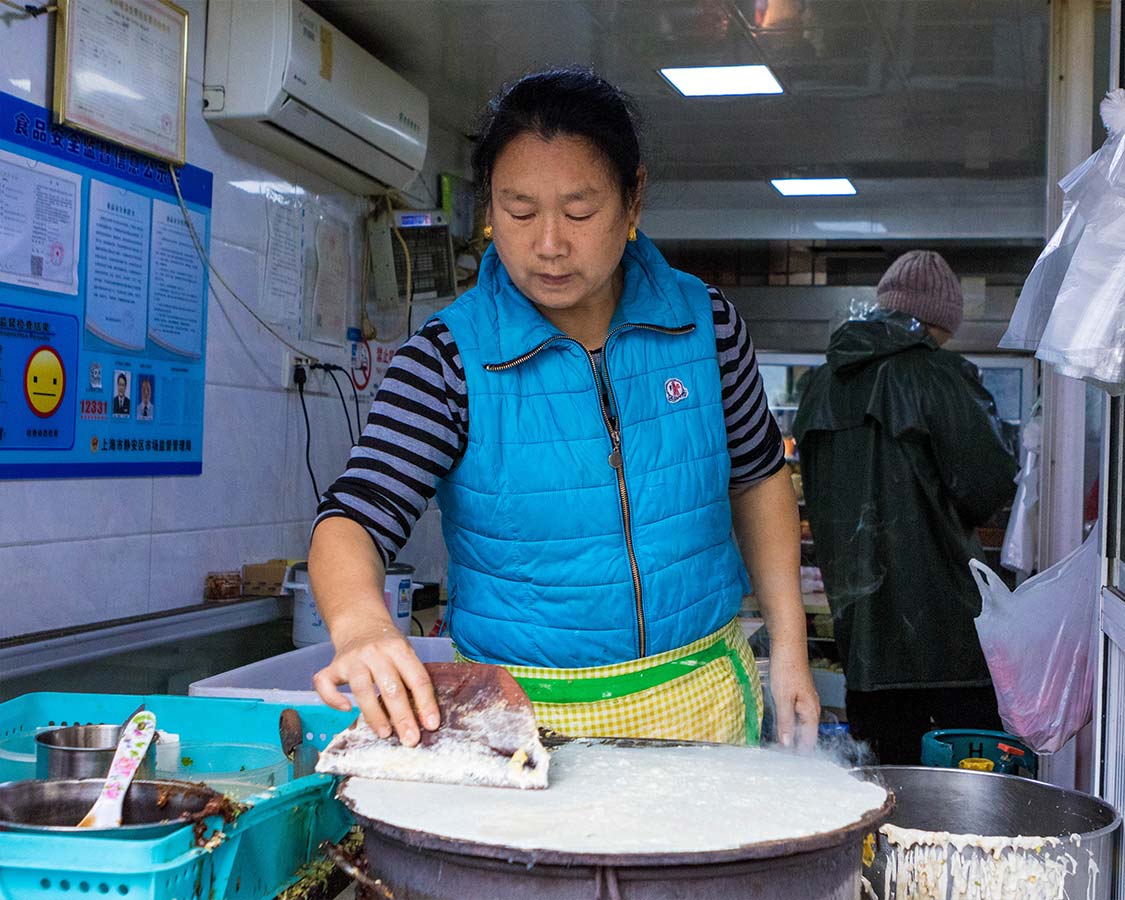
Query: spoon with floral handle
131, 749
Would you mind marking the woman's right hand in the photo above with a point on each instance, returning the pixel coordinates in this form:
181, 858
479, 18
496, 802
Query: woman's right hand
387, 680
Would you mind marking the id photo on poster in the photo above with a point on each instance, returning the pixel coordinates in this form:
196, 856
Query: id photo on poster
122, 392
145, 401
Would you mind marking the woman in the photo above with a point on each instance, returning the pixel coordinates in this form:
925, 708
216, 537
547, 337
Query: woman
593, 423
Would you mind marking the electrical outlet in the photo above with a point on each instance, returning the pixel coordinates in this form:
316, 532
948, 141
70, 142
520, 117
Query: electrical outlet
290, 362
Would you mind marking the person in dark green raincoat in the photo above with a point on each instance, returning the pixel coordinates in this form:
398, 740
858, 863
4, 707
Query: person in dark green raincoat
902, 456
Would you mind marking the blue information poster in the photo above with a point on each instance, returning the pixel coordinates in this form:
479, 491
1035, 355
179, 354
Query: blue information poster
103, 305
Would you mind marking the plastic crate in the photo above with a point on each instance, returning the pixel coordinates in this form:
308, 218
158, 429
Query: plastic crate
288, 678
262, 850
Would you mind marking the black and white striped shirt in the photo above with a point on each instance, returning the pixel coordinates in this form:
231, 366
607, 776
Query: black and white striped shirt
418, 428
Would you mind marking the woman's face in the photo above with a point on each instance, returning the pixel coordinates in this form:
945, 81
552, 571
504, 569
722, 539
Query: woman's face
558, 221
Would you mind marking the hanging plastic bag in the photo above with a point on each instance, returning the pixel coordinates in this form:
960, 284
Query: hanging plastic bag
1085, 336
1037, 296
1021, 539
1082, 189
1040, 644
1072, 306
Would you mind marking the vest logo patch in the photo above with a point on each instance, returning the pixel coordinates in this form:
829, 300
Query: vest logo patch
674, 390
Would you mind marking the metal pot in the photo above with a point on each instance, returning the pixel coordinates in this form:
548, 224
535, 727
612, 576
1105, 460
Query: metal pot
83, 751
963, 802
151, 809
415, 865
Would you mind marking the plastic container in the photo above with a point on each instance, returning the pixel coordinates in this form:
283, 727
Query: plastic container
288, 678
17, 756
239, 770
398, 594
261, 851
309, 627
831, 686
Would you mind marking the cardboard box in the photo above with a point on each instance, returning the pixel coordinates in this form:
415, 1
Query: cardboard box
264, 579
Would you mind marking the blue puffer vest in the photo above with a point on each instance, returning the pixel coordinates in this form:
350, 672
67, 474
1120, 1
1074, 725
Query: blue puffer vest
558, 557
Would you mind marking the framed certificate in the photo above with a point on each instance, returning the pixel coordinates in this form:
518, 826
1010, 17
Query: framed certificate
121, 73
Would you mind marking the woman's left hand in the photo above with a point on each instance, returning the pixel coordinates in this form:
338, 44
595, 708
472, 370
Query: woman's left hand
796, 704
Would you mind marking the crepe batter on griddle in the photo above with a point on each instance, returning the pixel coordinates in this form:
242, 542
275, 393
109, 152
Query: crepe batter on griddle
617, 800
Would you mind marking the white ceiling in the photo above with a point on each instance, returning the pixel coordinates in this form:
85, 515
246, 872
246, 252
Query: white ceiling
874, 89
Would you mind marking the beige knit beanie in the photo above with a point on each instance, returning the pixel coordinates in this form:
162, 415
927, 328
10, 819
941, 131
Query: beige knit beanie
921, 284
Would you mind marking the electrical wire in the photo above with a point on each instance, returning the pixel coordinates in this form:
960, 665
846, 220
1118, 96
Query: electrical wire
308, 439
206, 260
30, 11
332, 367
409, 264
343, 402
366, 326
355, 400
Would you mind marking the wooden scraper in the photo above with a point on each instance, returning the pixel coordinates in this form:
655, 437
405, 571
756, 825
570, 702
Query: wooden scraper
487, 736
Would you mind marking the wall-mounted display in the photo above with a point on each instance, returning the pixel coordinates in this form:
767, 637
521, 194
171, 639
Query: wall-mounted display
121, 73
103, 305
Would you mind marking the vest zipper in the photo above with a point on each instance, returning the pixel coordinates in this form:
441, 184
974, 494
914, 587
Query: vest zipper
615, 458
524, 357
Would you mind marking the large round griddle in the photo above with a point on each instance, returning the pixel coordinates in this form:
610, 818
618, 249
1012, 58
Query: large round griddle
420, 864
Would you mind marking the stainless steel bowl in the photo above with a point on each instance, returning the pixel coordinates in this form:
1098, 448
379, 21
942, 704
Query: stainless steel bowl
83, 751
151, 809
963, 802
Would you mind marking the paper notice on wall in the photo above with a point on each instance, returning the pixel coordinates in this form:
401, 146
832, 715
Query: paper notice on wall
330, 293
382, 353
39, 216
117, 256
285, 254
176, 287
974, 289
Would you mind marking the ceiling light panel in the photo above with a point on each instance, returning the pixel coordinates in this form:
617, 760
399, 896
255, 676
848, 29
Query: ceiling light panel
722, 81
813, 187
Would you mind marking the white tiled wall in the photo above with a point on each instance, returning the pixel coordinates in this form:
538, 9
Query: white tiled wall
79, 551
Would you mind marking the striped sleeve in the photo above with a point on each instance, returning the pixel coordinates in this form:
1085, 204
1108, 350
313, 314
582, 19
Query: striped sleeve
415, 434
753, 438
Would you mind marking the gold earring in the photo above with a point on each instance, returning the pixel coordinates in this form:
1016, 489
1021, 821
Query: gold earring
632, 232
488, 232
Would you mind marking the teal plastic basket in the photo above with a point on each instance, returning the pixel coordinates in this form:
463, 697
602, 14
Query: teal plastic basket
261, 851
946, 748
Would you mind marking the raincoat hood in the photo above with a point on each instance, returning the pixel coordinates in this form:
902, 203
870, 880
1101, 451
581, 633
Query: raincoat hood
879, 334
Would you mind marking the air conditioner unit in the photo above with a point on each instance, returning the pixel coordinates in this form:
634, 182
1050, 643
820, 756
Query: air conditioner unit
281, 76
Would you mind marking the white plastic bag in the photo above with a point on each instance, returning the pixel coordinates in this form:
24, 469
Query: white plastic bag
1072, 306
1037, 296
1021, 539
1040, 644
1085, 336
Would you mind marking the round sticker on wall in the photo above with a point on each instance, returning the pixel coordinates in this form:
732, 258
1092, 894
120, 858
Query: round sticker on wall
361, 364
44, 381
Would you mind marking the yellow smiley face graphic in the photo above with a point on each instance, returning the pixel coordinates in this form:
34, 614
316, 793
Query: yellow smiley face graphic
44, 382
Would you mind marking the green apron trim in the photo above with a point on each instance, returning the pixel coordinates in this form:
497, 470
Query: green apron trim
609, 687
752, 736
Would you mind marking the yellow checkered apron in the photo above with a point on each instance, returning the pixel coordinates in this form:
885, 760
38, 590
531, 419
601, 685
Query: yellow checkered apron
707, 690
